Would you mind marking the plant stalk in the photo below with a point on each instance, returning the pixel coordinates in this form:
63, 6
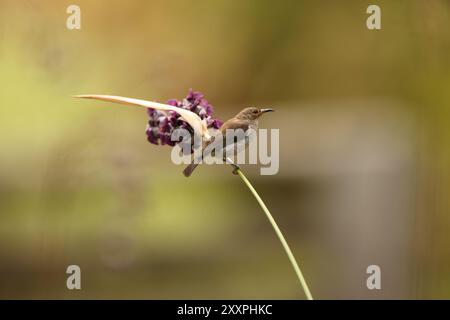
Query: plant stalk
279, 234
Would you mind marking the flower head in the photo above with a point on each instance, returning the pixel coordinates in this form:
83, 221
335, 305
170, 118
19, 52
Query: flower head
162, 124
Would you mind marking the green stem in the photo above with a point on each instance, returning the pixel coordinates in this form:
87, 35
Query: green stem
279, 234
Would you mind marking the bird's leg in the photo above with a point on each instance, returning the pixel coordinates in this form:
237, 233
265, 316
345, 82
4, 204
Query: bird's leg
230, 162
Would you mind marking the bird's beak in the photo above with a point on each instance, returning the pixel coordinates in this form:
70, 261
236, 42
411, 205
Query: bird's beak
267, 110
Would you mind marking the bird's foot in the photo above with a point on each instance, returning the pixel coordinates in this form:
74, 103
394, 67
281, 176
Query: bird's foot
235, 166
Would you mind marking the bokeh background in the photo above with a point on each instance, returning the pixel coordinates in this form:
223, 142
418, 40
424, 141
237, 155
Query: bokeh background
364, 153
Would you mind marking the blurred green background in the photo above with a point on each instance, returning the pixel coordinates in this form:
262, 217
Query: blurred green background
364, 153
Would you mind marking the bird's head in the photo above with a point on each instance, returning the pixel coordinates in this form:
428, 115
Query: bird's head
252, 113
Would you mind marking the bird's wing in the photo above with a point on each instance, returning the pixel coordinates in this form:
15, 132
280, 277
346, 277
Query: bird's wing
190, 117
234, 124
224, 141
220, 138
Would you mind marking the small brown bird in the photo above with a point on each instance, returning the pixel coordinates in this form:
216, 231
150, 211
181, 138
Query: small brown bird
246, 119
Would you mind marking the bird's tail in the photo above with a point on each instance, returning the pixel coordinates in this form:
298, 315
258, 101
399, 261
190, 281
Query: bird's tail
189, 169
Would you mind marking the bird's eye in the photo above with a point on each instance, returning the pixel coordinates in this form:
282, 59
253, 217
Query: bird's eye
255, 111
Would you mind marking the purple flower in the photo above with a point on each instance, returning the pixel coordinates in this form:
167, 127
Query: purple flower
162, 124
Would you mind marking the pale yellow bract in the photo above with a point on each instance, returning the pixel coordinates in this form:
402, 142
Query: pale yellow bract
190, 117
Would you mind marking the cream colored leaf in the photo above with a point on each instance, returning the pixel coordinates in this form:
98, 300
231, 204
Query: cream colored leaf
190, 117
